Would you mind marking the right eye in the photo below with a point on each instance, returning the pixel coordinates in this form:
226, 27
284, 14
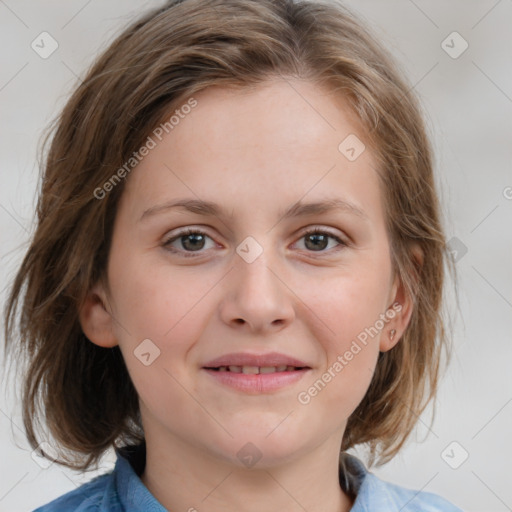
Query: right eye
189, 241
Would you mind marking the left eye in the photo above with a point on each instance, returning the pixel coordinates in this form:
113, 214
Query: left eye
318, 240
193, 241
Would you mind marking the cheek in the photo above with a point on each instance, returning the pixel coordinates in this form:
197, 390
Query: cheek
349, 309
153, 302
348, 303
150, 304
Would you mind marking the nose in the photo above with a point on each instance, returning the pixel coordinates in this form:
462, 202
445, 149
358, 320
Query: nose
257, 298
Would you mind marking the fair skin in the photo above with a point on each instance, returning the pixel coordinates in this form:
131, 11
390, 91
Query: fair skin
255, 153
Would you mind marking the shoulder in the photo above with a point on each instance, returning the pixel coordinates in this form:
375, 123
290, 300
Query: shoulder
400, 498
373, 493
98, 495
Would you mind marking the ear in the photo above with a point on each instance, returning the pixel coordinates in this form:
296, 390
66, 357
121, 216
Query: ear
96, 320
401, 306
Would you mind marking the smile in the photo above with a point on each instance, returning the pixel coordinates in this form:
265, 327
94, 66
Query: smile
255, 379
253, 370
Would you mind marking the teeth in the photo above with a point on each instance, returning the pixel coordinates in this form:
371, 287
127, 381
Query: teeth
254, 370
250, 370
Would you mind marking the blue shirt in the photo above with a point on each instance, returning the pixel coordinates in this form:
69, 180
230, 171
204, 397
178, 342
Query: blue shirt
121, 490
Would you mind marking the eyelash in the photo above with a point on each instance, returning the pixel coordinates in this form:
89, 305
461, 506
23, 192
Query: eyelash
195, 254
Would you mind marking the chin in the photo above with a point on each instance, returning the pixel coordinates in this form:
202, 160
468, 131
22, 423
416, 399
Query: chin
253, 448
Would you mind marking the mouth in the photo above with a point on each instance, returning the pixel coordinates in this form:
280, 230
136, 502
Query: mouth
256, 380
255, 373
256, 370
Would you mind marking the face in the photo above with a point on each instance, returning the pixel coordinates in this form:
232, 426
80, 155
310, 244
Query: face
249, 279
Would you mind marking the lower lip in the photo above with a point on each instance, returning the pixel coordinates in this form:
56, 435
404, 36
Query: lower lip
257, 383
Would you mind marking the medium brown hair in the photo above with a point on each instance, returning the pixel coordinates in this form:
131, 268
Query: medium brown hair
83, 391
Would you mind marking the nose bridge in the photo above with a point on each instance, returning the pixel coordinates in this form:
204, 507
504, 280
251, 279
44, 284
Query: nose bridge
257, 276
256, 280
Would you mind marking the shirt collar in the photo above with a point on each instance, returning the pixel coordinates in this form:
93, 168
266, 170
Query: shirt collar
133, 494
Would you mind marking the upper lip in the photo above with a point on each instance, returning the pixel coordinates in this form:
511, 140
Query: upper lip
260, 360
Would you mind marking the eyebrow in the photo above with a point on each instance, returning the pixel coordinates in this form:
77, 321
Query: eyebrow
299, 209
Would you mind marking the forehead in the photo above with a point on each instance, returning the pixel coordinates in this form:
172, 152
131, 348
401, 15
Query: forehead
286, 116
279, 141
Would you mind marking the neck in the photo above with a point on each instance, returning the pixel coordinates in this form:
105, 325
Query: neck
183, 477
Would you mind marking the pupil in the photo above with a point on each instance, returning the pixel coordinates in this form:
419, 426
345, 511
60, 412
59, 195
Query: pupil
194, 239
322, 239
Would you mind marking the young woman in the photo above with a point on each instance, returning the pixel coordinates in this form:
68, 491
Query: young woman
238, 267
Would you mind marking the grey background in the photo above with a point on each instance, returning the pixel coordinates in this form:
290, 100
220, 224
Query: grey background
468, 101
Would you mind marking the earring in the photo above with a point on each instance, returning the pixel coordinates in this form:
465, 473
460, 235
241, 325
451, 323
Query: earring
392, 334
